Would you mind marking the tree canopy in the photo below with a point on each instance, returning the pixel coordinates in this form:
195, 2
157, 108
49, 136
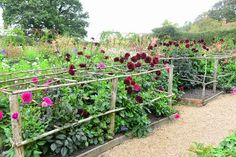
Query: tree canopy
59, 16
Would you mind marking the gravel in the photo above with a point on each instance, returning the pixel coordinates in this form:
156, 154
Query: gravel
208, 124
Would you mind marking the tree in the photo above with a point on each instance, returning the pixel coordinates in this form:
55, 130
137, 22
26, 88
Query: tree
205, 24
59, 16
166, 32
224, 10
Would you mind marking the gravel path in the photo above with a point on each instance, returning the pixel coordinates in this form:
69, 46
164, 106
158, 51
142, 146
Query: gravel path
208, 124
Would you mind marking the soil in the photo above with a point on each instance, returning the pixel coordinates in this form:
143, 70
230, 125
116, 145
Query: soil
197, 93
209, 125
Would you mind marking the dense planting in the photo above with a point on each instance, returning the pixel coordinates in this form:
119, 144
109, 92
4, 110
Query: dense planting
45, 110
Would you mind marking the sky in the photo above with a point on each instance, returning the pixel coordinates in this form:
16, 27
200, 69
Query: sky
140, 16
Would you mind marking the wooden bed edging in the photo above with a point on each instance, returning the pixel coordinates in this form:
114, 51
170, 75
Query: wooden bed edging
94, 152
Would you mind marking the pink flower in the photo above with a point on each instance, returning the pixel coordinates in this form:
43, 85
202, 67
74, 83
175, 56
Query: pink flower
137, 88
47, 102
233, 91
35, 80
177, 116
101, 66
1, 115
167, 66
26, 97
15, 116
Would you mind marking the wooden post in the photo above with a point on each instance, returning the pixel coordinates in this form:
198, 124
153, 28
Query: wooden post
16, 125
113, 104
215, 74
170, 84
204, 82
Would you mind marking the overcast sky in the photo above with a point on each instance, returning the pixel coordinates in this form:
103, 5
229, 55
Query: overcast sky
140, 16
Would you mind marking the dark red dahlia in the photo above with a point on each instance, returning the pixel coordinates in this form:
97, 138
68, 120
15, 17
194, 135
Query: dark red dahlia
143, 55
132, 82
82, 65
181, 88
116, 59
150, 47
102, 51
80, 53
157, 78
106, 57
155, 60
67, 59
127, 82
148, 59
129, 78
187, 41
138, 56
68, 55
72, 72
83, 113
72, 66
152, 64
122, 60
139, 99
127, 55
129, 90
134, 59
187, 45
138, 65
161, 88
158, 73
130, 66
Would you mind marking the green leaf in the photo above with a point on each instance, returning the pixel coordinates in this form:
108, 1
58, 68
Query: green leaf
53, 147
64, 151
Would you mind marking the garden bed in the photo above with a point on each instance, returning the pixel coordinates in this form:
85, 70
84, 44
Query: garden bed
194, 96
94, 151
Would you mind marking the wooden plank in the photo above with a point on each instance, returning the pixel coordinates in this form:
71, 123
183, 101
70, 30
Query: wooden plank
16, 125
211, 98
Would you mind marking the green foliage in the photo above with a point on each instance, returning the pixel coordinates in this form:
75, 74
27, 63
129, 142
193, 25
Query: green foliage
227, 148
166, 32
223, 10
205, 24
58, 16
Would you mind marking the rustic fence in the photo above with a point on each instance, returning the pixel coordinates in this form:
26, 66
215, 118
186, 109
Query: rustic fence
15, 86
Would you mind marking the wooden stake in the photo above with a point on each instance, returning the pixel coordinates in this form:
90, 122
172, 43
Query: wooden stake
113, 104
170, 84
16, 125
215, 75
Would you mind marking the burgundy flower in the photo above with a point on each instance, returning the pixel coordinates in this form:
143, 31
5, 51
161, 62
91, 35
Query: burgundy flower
181, 88
155, 60
187, 45
127, 55
130, 66
187, 41
122, 60
72, 66
88, 56
134, 59
138, 65
157, 78
126, 82
158, 73
67, 59
139, 99
116, 59
129, 90
80, 53
83, 113
129, 78
132, 82
138, 56
102, 51
161, 88
82, 65
143, 55
176, 45
72, 72
106, 57
148, 59
137, 88
150, 47
152, 64
67, 55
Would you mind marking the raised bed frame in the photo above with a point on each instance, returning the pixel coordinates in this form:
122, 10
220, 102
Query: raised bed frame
15, 86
